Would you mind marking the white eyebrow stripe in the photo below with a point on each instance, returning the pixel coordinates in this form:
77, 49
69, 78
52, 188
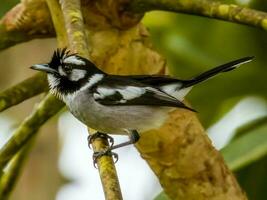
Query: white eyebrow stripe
74, 60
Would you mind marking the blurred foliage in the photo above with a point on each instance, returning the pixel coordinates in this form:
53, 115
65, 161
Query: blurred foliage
253, 179
247, 148
7, 5
162, 196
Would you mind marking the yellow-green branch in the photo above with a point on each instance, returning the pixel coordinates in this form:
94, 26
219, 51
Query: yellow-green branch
206, 8
78, 41
47, 108
75, 27
22, 91
9, 179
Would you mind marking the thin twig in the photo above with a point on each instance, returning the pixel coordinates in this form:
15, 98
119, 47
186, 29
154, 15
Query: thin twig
78, 41
206, 8
23, 90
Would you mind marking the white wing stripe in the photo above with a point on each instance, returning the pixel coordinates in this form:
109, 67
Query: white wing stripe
131, 92
128, 93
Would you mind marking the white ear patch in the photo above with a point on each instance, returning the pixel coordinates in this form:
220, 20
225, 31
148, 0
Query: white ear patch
77, 74
74, 60
61, 71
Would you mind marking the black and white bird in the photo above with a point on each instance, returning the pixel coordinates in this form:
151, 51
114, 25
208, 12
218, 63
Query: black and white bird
114, 104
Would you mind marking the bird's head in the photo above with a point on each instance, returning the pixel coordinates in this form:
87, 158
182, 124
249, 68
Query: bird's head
67, 72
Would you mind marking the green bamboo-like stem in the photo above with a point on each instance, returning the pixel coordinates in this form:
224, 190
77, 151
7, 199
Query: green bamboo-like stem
9, 179
77, 39
47, 108
206, 8
23, 90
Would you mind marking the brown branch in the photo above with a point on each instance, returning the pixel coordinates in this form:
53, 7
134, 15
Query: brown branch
205, 8
180, 153
78, 41
23, 23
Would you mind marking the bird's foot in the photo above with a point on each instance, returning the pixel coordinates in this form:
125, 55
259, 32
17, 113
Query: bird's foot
92, 137
106, 152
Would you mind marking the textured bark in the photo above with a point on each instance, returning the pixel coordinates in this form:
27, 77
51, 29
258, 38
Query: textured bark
206, 8
20, 92
180, 153
28, 20
78, 43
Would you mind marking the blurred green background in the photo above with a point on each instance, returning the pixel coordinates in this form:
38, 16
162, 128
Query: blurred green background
191, 45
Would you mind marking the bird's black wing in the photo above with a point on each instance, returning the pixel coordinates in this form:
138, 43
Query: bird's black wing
156, 80
118, 90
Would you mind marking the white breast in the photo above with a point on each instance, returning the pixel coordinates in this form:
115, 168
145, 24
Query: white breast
115, 119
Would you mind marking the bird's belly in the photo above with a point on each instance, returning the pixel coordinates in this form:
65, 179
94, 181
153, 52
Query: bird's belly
116, 119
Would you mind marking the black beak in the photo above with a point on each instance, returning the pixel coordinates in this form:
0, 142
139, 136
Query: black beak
44, 68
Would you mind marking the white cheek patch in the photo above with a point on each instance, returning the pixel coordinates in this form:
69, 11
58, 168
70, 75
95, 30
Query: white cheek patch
74, 60
77, 74
52, 81
53, 84
61, 71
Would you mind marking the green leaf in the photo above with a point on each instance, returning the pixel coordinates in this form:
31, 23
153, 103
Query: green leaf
253, 180
162, 196
6, 5
246, 149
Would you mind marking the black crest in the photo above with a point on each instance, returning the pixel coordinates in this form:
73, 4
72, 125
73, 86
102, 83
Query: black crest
59, 55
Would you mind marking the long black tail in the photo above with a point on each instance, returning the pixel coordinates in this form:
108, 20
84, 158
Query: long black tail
210, 73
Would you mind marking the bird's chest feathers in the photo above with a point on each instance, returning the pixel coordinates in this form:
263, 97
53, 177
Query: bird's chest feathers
83, 106
114, 119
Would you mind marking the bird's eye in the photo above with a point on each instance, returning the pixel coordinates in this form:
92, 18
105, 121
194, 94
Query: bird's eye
67, 68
